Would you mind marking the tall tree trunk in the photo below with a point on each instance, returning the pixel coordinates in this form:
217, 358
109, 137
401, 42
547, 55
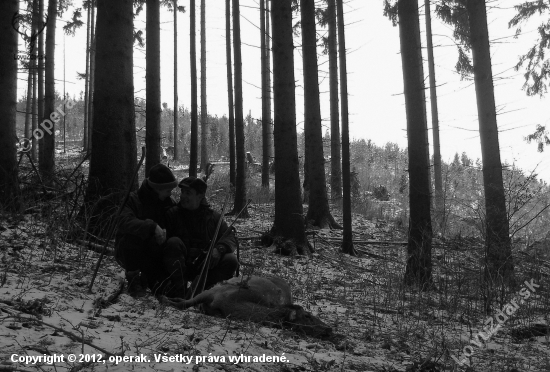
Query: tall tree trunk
64, 98
230, 92
307, 157
40, 78
113, 162
318, 210
152, 88
240, 180
335, 158
176, 109
34, 141
347, 241
499, 262
204, 109
289, 221
266, 125
419, 262
87, 80
92, 78
28, 106
47, 160
34, 69
8, 106
194, 116
439, 206
268, 59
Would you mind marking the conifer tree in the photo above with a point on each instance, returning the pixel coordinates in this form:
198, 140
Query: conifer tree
289, 221
8, 105
152, 86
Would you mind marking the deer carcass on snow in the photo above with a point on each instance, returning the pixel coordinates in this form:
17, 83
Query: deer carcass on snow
261, 300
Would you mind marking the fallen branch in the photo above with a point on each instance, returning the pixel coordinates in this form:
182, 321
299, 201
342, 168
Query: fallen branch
368, 242
373, 255
98, 248
347, 265
387, 242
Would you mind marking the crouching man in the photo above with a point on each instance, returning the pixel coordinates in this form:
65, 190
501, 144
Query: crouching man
141, 234
190, 228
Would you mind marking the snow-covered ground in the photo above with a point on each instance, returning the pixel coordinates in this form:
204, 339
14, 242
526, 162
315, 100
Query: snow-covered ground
46, 310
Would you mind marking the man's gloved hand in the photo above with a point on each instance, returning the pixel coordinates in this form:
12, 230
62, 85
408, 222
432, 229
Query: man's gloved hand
217, 253
160, 235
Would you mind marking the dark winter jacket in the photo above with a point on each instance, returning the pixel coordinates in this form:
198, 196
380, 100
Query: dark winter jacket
196, 228
141, 214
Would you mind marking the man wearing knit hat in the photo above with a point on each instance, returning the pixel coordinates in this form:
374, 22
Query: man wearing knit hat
141, 233
190, 227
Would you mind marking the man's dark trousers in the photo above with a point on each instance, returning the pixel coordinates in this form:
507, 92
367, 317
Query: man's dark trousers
144, 255
175, 251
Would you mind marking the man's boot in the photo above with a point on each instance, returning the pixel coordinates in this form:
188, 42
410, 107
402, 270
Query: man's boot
136, 287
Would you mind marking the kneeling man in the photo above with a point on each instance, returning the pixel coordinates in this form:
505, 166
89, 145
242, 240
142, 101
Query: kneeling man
141, 234
190, 228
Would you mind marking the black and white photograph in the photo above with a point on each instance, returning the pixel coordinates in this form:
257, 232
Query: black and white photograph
274, 185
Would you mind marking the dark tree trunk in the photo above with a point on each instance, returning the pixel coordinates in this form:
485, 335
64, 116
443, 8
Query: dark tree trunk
230, 92
87, 80
289, 220
8, 105
266, 125
28, 106
335, 158
65, 95
318, 210
439, 206
34, 141
193, 154
268, 78
30, 85
347, 241
204, 109
499, 263
176, 109
40, 78
92, 78
34, 64
240, 180
47, 160
419, 262
268, 61
152, 88
114, 144
305, 183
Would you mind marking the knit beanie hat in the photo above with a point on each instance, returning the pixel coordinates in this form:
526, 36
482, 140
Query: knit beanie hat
195, 183
161, 178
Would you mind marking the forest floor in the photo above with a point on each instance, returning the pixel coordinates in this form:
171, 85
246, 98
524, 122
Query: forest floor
46, 309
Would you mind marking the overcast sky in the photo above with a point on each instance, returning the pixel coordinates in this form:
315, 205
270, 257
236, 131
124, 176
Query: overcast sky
375, 81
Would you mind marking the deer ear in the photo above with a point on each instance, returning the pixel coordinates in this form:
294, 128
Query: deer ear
292, 315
